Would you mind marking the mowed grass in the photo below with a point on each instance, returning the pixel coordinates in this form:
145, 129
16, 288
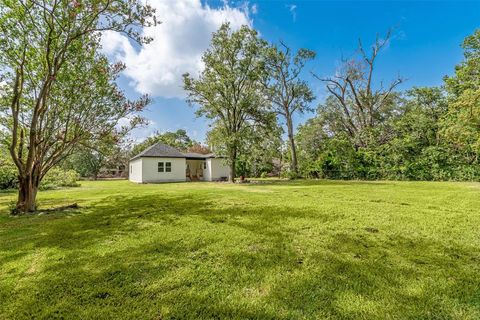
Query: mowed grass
274, 250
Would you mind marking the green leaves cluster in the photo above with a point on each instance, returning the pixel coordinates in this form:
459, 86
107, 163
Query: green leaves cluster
246, 86
287, 92
230, 90
178, 139
424, 134
60, 92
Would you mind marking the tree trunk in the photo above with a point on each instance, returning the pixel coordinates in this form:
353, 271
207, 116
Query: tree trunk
293, 150
232, 158
27, 194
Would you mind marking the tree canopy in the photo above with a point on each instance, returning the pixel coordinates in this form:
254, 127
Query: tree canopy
286, 90
420, 134
229, 90
178, 139
60, 91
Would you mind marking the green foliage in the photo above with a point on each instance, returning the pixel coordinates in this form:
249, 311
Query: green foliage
409, 146
86, 162
467, 73
58, 177
60, 90
285, 89
55, 178
8, 176
289, 174
422, 134
8, 171
462, 122
178, 139
260, 147
230, 89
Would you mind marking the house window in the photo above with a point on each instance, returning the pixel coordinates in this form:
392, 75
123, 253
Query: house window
168, 167
205, 165
160, 167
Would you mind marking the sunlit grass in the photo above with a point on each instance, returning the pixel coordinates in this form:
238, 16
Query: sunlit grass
283, 250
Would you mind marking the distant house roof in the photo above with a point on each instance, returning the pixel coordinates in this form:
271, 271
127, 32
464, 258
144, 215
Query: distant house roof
161, 150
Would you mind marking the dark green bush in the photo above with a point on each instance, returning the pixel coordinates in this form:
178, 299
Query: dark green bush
56, 178
8, 176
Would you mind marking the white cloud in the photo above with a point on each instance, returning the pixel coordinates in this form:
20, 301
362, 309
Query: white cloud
179, 42
141, 133
293, 10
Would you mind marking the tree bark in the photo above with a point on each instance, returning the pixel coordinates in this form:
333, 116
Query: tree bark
232, 159
293, 150
27, 194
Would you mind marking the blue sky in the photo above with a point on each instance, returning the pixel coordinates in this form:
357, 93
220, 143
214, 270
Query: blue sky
425, 45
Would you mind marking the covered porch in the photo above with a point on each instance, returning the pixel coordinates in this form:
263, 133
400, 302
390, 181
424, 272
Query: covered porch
195, 169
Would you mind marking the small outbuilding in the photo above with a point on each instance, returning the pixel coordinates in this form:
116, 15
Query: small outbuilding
163, 163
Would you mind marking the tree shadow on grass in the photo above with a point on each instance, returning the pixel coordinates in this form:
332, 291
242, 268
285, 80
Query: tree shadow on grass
319, 182
183, 257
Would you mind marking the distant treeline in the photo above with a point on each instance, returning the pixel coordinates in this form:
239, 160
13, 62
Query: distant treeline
421, 134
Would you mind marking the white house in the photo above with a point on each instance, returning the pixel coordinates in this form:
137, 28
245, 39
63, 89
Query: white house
163, 163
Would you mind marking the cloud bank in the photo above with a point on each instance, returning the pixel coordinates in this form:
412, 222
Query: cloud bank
179, 42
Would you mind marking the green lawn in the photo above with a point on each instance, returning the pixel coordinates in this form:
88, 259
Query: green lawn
283, 250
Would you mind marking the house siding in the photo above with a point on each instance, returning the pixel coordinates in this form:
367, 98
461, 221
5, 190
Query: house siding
135, 171
206, 172
145, 169
218, 169
151, 174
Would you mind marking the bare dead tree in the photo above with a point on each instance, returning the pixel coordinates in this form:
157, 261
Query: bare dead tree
359, 101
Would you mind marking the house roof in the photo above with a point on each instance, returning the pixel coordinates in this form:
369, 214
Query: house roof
161, 150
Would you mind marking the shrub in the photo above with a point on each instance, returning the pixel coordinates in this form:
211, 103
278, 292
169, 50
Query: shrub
57, 177
8, 176
290, 175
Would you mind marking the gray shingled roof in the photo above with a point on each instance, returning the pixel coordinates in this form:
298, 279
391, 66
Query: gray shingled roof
162, 150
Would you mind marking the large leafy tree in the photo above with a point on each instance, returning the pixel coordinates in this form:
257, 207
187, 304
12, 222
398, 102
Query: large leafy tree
462, 124
287, 92
467, 73
229, 90
60, 91
415, 149
87, 162
423, 134
260, 147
